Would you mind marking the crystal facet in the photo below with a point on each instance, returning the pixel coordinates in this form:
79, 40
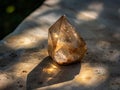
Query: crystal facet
65, 45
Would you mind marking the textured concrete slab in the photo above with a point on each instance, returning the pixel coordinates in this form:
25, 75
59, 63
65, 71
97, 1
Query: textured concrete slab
24, 61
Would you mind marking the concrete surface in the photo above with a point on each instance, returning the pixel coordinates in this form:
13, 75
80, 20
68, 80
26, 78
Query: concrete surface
24, 62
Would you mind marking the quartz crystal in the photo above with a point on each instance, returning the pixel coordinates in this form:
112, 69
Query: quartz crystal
65, 45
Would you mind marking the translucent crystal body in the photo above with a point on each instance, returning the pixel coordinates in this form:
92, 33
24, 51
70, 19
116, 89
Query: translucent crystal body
65, 45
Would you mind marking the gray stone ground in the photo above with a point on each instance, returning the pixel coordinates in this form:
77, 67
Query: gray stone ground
24, 62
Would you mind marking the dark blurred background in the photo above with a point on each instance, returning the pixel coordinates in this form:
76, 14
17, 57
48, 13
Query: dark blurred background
12, 12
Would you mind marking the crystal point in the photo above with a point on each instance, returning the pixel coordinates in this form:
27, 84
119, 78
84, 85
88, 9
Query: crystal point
65, 45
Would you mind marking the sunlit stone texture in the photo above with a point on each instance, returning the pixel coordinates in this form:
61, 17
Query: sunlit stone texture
65, 45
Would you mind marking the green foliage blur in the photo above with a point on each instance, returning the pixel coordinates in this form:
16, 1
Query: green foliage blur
12, 12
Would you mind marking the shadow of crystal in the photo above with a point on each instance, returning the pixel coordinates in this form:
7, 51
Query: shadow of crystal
49, 72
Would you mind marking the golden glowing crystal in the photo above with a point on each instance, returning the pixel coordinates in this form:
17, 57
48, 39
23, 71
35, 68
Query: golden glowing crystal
65, 45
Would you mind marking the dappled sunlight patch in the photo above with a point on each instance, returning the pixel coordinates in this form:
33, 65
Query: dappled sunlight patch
91, 75
36, 32
5, 80
21, 69
50, 73
91, 13
24, 41
51, 2
53, 69
87, 15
